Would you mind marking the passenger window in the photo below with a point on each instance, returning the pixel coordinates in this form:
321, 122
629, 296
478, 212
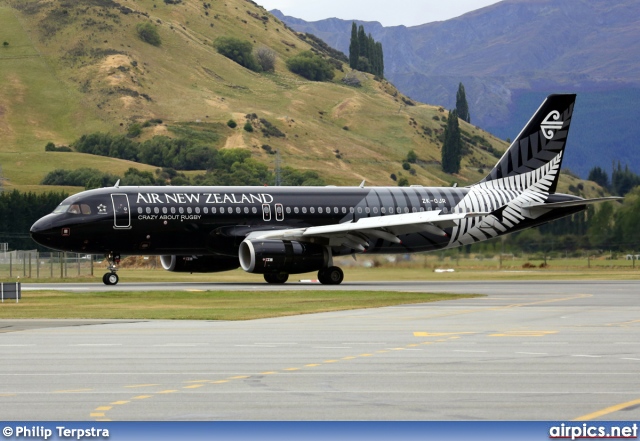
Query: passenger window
398, 210
413, 209
304, 210
375, 210
344, 210
335, 210
221, 210
198, 210
312, 210
421, 209
164, 210
406, 209
238, 210
359, 209
351, 210
367, 210
148, 210
189, 210
205, 210
288, 210
320, 210
383, 210
139, 210
254, 210
156, 210
328, 210
246, 210
214, 210
173, 210
295, 210
181, 210
445, 210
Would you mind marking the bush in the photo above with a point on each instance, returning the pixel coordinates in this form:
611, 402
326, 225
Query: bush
238, 51
148, 33
406, 165
403, 182
311, 66
51, 147
412, 157
231, 123
248, 127
266, 58
134, 130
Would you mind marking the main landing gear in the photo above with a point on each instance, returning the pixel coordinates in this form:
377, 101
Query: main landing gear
111, 278
327, 276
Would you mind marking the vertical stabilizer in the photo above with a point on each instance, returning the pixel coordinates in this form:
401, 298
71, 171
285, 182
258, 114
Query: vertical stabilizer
541, 141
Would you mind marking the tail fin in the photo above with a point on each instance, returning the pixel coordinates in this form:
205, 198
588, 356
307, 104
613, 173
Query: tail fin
540, 142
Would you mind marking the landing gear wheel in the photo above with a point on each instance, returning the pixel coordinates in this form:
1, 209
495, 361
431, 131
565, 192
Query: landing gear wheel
331, 276
279, 278
110, 279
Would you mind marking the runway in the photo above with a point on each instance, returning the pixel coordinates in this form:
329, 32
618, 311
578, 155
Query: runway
528, 350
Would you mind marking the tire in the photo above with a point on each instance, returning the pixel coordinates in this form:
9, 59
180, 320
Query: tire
278, 278
110, 279
331, 276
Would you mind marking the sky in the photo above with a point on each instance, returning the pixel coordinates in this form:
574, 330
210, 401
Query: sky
387, 12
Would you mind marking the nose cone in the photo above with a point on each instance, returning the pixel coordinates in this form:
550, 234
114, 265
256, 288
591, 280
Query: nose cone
41, 231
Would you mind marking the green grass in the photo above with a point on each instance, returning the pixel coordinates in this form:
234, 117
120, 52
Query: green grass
209, 305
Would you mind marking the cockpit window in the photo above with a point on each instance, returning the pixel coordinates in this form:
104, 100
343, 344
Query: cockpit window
74, 209
61, 209
85, 209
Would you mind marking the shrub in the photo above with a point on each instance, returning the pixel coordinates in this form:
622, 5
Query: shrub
51, 147
134, 130
148, 33
403, 182
311, 66
231, 123
406, 165
412, 157
266, 58
5, 43
248, 127
393, 177
269, 129
238, 51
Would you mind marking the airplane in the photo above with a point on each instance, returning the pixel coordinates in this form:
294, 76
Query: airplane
278, 231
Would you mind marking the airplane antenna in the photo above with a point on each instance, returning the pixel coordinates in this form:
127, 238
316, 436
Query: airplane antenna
455, 184
362, 184
117, 184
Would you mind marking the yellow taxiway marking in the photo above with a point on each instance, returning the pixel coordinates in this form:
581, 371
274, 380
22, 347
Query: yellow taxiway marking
268, 373
330, 361
413, 345
312, 365
133, 386
142, 397
104, 408
103, 419
238, 377
219, 381
168, 391
70, 391
8, 395
121, 402
198, 381
96, 414
439, 334
524, 334
624, 324
291, 369
365, 355
193, 386
397, 349
607, 410
194, 290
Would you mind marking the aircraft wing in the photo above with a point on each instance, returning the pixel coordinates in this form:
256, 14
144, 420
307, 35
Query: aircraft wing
356, 234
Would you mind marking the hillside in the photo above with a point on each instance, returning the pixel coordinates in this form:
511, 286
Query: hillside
78, 67
511, 54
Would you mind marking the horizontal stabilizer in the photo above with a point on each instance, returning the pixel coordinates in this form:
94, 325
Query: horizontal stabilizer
574, 203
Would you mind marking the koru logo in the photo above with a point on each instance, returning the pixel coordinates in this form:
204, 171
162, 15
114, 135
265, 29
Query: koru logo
550, 124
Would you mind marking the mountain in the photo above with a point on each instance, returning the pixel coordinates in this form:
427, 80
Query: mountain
74, 67
511, 54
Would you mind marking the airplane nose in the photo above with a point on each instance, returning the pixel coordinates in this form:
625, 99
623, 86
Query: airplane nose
39, 230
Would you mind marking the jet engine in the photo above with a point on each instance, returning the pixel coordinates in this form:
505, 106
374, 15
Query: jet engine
198, 264
285, 256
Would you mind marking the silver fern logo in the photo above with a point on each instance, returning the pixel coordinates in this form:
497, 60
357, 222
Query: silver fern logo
550, 124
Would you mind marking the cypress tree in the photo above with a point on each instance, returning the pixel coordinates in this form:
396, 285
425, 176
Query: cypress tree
362, 42
354, 49
461, 104
380, 59
452, 148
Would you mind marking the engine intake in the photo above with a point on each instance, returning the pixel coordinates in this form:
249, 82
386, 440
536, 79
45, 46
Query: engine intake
269, 256
198, 264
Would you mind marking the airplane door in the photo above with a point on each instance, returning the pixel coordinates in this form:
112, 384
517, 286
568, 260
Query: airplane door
266, 212
279, 213
121, 211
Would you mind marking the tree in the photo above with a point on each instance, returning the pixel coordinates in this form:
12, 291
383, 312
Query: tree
362, 42
412, 157
311, 66
380, 60
354, 51
239, 51
599, 176
452, 147
461, 104
148, 33
266, 58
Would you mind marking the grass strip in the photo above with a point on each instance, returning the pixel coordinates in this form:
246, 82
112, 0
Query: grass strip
207, 305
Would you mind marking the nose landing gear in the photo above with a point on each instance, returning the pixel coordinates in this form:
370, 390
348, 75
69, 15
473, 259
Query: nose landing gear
111, 278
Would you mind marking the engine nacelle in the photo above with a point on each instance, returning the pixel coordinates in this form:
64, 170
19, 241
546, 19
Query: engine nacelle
198, 264
269, 256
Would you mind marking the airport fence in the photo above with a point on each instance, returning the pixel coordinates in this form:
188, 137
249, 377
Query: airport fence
32, 264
